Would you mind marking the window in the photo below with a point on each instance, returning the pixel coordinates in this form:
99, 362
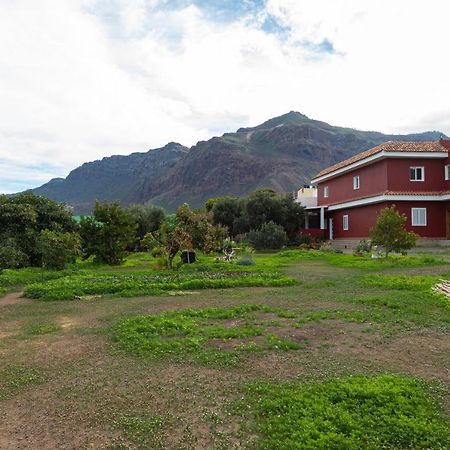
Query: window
325, 191
419, 217
345, 222
447, 172
417, 173
356, 182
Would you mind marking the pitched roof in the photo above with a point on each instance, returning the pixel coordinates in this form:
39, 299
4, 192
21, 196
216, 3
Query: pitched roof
390, 146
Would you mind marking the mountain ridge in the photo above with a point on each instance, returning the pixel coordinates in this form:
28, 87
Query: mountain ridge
282, 153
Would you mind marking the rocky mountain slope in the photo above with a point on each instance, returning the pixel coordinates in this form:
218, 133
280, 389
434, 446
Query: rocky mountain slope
282, 153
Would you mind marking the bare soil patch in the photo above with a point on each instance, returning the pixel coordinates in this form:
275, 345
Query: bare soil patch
425, 355
13, 298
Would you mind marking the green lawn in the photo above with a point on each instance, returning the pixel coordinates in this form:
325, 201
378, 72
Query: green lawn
303, 350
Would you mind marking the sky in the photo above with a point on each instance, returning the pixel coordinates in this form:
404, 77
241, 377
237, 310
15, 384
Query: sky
85, 79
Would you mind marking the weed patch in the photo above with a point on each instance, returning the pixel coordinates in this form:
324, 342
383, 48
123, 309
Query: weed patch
120, 285
143, 432
14, 378
191, 331
402, 282
40, 329
360, 262
383, 411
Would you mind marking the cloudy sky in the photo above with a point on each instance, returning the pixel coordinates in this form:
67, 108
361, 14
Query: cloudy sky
83, 79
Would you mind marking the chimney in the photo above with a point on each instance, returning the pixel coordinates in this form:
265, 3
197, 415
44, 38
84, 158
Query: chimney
445, 143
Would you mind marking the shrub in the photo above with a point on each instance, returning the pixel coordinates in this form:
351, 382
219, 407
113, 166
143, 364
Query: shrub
246, 261
304, 239
389, 232
364, 246
269, 236
326, 246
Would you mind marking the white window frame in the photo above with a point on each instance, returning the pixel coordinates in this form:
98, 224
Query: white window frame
447, 172
415, 222
356, 182
326, 191
422, 168
345, 222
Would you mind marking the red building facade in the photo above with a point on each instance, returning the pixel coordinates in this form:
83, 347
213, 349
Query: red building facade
415, 176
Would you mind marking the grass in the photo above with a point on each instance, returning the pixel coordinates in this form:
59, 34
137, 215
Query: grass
39, 329
402, 281
129, 285
15, 378
143, 432
190, 331
362, 262
385, 411
305, 362
140, 274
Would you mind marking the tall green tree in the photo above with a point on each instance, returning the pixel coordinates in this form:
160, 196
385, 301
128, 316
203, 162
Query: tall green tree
227, 210
58, 248
390, 233
148, 218
22, 218
108, 233
241, 215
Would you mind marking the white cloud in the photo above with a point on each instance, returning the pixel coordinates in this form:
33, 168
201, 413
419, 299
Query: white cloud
82, 79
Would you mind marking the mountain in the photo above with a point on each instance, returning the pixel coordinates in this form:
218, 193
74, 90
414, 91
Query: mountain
283, 153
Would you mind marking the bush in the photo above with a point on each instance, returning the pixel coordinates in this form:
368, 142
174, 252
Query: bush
304, 239
364, 246
326, 247
246, 261
269, 236
389, 232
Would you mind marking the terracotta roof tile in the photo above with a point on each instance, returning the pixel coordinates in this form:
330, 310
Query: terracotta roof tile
390, 146
417, 192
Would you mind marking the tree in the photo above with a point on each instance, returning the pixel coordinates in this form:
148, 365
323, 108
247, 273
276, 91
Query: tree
227, 210
389, 232
210, 203
58, 248
269, 236
22, 218
204, 236
108, 233
171, 238
11, 257
148, 218
293, 215
260, 207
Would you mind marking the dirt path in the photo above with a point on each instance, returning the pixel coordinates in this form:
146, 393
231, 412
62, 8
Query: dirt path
13, 298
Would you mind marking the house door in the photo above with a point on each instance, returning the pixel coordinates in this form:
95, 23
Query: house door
330, 228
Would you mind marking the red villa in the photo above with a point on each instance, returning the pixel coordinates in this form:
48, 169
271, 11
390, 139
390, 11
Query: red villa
415, 176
